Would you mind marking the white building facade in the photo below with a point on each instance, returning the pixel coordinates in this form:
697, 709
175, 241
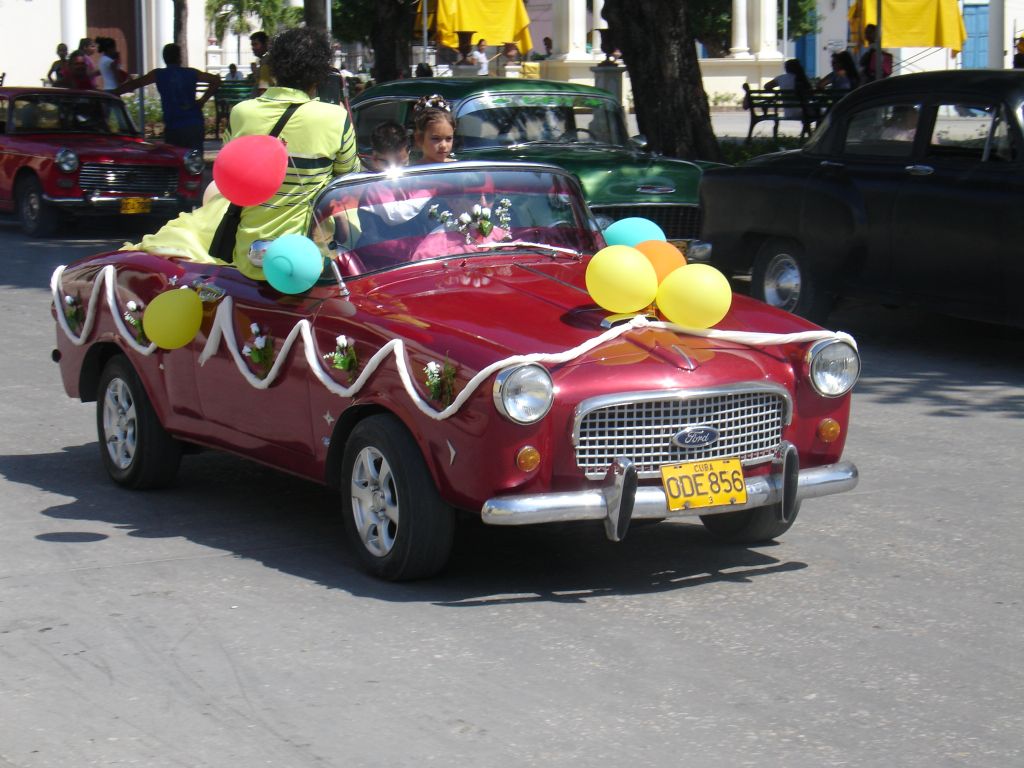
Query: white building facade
31, 29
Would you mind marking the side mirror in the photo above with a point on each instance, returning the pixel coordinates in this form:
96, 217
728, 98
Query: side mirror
639, 142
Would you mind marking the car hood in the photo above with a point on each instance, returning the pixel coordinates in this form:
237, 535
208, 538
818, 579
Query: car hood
90, 147
484, 310
611, 175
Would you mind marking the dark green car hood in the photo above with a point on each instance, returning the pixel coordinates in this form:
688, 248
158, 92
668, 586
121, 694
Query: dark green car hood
611, 175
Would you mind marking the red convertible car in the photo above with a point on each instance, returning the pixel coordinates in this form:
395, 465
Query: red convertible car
67, 151
450, 359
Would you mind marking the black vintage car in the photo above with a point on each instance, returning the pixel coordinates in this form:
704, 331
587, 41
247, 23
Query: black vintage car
911, 192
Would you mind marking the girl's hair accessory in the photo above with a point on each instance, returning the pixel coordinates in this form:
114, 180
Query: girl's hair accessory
434, 101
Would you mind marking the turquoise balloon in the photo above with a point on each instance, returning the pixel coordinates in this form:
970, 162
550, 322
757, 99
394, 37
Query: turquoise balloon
632, 231
292, 264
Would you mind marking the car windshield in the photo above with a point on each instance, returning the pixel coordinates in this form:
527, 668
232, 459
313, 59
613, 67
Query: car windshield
369, 223
501, 119
57, 113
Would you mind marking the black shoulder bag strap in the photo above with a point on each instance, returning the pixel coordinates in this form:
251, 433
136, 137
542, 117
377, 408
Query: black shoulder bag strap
223, 245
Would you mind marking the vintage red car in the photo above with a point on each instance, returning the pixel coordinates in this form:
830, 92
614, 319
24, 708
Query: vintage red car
78, 152
450, 358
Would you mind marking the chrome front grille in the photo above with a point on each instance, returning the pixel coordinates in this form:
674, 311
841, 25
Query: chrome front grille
678, 222
128, 179
640, 427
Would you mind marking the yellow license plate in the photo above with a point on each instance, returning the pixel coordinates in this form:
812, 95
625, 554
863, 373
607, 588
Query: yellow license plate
710, 483
136, 205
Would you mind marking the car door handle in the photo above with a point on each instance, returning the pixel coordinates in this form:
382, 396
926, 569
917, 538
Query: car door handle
832, 164
919, 170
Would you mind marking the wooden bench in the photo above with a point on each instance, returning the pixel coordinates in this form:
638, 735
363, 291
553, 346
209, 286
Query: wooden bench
771, 105
228, 94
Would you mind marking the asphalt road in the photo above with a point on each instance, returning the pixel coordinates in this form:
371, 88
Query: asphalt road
223, 622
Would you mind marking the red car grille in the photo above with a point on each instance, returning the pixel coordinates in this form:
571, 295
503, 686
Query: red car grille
678, 222
749, 426
128, 179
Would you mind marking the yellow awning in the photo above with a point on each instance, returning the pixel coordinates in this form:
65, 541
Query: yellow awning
496, 21
911, 23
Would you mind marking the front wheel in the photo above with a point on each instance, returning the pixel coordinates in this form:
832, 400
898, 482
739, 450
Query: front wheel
749, 526
781, 278
394, 516
136, 450
38, 218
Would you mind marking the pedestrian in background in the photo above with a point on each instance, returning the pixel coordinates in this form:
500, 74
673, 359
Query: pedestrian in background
184, 124
263, 76
1018, 57
56, 73
108, 65
88, 48
233, 73
76, 72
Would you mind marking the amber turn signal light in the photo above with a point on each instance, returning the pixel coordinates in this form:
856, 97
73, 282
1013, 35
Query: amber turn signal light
829, 430
528, 458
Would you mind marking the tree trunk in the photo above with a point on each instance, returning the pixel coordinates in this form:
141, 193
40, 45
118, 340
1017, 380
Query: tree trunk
181, 29
314, 13
391, 38
659, 50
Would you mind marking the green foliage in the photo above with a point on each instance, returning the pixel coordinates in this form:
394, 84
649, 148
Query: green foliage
737, 151
234, 16
352, 20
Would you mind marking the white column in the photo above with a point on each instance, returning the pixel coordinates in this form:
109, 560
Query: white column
569, 34
598, 24
767, 45
997, 34
72, 23
740, 47
164, 19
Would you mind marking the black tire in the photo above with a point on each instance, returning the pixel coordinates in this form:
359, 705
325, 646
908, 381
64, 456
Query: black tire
394, 517
782, 278
749, 526
38, 218
136, 450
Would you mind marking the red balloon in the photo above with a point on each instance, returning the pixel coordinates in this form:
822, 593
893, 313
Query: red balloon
250, 169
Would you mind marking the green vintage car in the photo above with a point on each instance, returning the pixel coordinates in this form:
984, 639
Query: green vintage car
577, 127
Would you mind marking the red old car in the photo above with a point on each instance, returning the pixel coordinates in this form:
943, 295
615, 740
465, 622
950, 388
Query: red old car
451, 359
69, 151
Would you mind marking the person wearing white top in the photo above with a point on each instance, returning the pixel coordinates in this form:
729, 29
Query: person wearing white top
479, 57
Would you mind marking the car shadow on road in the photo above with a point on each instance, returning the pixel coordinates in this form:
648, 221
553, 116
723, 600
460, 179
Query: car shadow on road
953, 367
295, 527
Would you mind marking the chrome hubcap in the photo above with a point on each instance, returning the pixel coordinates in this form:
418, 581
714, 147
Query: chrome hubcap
782, 282
374, 501
120, 427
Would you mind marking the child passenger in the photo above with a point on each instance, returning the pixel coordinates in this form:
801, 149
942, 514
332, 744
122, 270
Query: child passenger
435, 129
390, 146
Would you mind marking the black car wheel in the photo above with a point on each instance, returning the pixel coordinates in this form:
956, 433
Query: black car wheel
137, 451
749, 526
394, 516
782, 279
38, 218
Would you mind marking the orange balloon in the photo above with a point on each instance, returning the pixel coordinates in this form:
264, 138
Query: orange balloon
664, 256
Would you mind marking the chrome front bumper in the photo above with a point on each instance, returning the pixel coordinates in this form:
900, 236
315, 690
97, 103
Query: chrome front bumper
616, 503
108, 204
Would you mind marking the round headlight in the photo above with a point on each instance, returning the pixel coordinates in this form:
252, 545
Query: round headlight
66, 160
524, 394
834, 367
194, 162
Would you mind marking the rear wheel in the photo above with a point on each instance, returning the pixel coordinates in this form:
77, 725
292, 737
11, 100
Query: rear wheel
749, 526
136, 450
394, 516
782, 279
38, 218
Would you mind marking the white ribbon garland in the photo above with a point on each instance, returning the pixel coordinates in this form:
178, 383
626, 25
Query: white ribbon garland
224, 329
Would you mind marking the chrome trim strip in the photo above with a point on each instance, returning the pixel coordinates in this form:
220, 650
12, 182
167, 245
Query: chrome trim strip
651, 504
106, 199
653, 204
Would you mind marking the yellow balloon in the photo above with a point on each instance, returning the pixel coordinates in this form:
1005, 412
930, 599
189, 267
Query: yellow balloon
695, 296
172, 318
621, 279
210, 192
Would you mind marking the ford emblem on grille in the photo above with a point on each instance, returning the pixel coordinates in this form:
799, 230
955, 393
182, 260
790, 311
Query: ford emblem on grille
699, 436
655, 189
